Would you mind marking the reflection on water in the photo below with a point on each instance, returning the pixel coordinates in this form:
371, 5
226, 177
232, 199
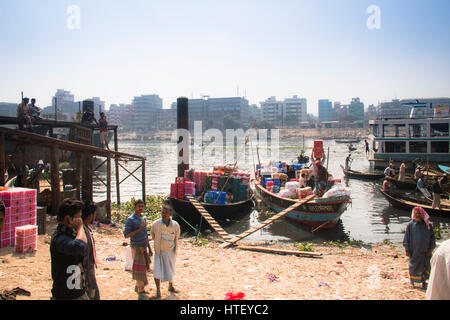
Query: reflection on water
369, 217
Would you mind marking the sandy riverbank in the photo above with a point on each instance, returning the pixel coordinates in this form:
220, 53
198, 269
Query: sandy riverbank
208, 273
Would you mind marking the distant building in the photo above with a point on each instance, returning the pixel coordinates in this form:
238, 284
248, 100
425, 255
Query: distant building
167, 119
218, 112
290, 112
254, 114
8, 109
325, 110
121, 116
145, 111
356, 110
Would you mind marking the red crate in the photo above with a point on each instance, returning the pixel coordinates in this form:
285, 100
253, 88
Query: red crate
318, 144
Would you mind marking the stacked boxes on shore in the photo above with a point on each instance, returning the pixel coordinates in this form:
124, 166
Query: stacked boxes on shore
20, 210
26, 239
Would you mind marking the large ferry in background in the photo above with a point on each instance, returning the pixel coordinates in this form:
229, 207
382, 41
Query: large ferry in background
423, 136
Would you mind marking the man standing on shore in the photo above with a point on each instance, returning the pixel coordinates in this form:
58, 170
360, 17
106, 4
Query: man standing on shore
136, 230
165, 233
68, 249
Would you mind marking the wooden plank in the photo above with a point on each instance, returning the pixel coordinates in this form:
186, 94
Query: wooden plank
212, 222
267, 222
55, 183
280, 251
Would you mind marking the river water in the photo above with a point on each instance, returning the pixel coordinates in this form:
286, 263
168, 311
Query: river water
369, 218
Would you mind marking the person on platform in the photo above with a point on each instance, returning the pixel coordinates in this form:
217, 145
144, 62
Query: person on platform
68, 248
439, 283
35, 111
23, 114
165, 233
2, 214
419, 242
366, 146
136, 230
103, 125
402, 172
437, 190
91, 257
88, 117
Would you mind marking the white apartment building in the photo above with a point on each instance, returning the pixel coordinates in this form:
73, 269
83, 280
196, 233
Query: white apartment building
290, 112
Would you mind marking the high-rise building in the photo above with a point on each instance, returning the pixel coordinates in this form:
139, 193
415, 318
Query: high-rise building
145, 110
356, 110
325, 110
290, 112
8, 109
218, 112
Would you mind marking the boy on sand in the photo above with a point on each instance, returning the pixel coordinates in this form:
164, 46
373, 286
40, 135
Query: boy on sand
165, 233
419, 243
136, 230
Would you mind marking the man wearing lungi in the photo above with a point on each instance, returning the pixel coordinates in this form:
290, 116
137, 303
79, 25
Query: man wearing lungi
165, 233
419, 243
136, 230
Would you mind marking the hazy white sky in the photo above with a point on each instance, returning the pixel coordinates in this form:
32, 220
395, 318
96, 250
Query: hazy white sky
311, 48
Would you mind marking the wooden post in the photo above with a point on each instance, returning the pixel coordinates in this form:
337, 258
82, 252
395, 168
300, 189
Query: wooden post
86, 188
116, 149
77, 185
55, 183
108, 188
182, 123
2, 159
143, 181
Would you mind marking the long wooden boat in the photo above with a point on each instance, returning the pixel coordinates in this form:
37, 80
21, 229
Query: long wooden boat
362, 175
408, 203
186, 212
324, 213
408, 184
347, 141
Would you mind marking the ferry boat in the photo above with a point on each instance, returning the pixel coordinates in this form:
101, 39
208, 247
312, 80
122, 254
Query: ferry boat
421, 136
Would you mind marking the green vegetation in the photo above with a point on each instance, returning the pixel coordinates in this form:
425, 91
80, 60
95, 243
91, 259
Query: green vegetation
200, 241
153, 207
304, 246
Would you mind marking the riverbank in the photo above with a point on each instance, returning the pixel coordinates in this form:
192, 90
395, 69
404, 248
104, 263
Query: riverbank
205, 272
284, 134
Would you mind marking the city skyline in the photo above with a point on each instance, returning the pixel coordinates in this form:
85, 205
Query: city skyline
316, 50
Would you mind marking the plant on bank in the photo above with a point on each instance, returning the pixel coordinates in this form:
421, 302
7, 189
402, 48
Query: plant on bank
153, 208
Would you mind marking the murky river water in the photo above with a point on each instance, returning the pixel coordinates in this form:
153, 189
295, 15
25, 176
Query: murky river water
369, 218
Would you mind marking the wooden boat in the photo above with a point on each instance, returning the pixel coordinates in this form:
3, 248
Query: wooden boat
445, 169
186, 212
407, 203
408, 184
362, 175
347, 141
323, 213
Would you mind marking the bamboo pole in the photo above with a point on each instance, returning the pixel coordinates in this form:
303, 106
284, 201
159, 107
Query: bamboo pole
280, 251
55, 183
108, 188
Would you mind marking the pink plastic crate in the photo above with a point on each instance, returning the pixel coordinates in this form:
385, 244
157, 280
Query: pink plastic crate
26, 231
31, 221
5, 235
5, 243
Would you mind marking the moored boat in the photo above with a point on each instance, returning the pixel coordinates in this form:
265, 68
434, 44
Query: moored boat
321, 212
362, 175
347, 141
407, 203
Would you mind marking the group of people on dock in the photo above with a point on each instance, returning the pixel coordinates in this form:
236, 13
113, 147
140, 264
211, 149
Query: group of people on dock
27, 113
73, 254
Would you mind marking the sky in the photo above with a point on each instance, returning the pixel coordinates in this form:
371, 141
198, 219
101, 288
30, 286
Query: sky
317, 49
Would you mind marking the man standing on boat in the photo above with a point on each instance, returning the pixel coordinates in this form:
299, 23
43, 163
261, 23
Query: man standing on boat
165, 233
437, 190
402, 172
348, 162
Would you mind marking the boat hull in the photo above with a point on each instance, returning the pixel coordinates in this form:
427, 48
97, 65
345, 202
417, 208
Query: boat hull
323, 213
362, 175
186, 212
406, 204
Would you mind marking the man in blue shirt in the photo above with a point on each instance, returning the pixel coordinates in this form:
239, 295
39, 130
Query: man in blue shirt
136, 230
68, 248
